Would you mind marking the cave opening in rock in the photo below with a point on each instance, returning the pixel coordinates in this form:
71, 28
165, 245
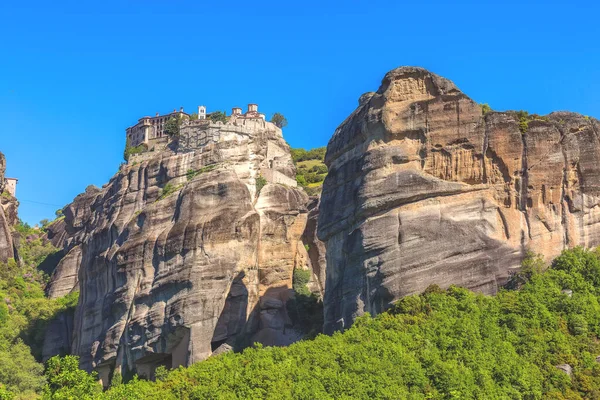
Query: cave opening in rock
216, 344
232, 319
146, 366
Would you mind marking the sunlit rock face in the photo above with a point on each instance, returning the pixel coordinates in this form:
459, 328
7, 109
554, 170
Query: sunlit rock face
8, 216
180, 255
424, 189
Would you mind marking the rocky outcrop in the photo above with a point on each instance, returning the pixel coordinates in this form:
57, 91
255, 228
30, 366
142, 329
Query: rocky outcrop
183, 254
424, 189
8, 217
57, 339
68, 234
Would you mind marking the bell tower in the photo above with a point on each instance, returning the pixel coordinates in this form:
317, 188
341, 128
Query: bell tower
201, 112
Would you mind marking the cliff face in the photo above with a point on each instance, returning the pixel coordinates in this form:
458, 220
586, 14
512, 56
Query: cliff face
180, 255
424, 189
8, 216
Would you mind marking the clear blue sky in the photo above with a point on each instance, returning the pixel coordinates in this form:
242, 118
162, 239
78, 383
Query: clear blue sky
75, 74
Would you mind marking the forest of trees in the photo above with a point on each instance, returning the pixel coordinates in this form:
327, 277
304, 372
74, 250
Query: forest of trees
441, 344
24, 314
310, 168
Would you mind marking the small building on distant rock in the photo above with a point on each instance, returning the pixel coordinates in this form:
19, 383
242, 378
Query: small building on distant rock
11, 186
150, 129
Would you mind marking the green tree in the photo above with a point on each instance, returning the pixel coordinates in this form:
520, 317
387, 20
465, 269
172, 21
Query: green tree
485, 108
217, 116
5, 394
319, 169
58, 213
260, 183
129, 150
67, 381
524, 118
312, 154
172, 126
279, 120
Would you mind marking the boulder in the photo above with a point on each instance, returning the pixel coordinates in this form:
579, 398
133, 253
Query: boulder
566, 368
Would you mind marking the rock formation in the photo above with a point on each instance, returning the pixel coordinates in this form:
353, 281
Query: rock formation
423, 188
8, 217
184, 253
316, 249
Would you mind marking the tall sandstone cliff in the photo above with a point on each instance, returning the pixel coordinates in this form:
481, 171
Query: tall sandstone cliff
424, 189
168, 279
8, 217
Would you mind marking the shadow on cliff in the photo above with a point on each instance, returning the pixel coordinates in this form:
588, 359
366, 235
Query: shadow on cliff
51, 262
232, 321
279, 318
269, 323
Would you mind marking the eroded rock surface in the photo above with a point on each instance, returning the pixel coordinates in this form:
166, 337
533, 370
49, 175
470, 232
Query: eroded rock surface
316, 249
180, 254
8, 217
424, 189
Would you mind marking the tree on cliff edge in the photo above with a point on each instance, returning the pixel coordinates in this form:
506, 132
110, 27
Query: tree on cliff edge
172, 127
279, 120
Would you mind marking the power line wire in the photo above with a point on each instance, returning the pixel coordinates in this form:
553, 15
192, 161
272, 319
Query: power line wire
37, 202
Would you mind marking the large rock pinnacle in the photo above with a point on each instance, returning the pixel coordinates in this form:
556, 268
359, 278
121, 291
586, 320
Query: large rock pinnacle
182, 254
424, 189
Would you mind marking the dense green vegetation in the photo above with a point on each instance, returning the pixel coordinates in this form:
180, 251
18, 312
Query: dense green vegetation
312, 154
24, 314
485, 108
130, 150
525, 118
260, 183
168, 190
173, 126
305, 308
218, 116
442, 344
310, 168
191, 174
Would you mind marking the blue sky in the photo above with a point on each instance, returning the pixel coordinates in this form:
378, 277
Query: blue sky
75, 74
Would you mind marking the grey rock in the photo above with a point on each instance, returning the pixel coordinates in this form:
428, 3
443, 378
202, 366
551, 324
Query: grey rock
57, 339
566, 368
224, 348
167, 279
424, 189
8, 217
270, 303
316, 261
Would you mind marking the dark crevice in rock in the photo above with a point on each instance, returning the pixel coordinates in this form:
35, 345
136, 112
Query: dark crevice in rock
457, 104
524, 186
424, 142
563, 190
504, 224
484, 150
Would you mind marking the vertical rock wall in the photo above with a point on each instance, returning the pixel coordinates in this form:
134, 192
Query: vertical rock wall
424, 189
8, 216
182, 255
